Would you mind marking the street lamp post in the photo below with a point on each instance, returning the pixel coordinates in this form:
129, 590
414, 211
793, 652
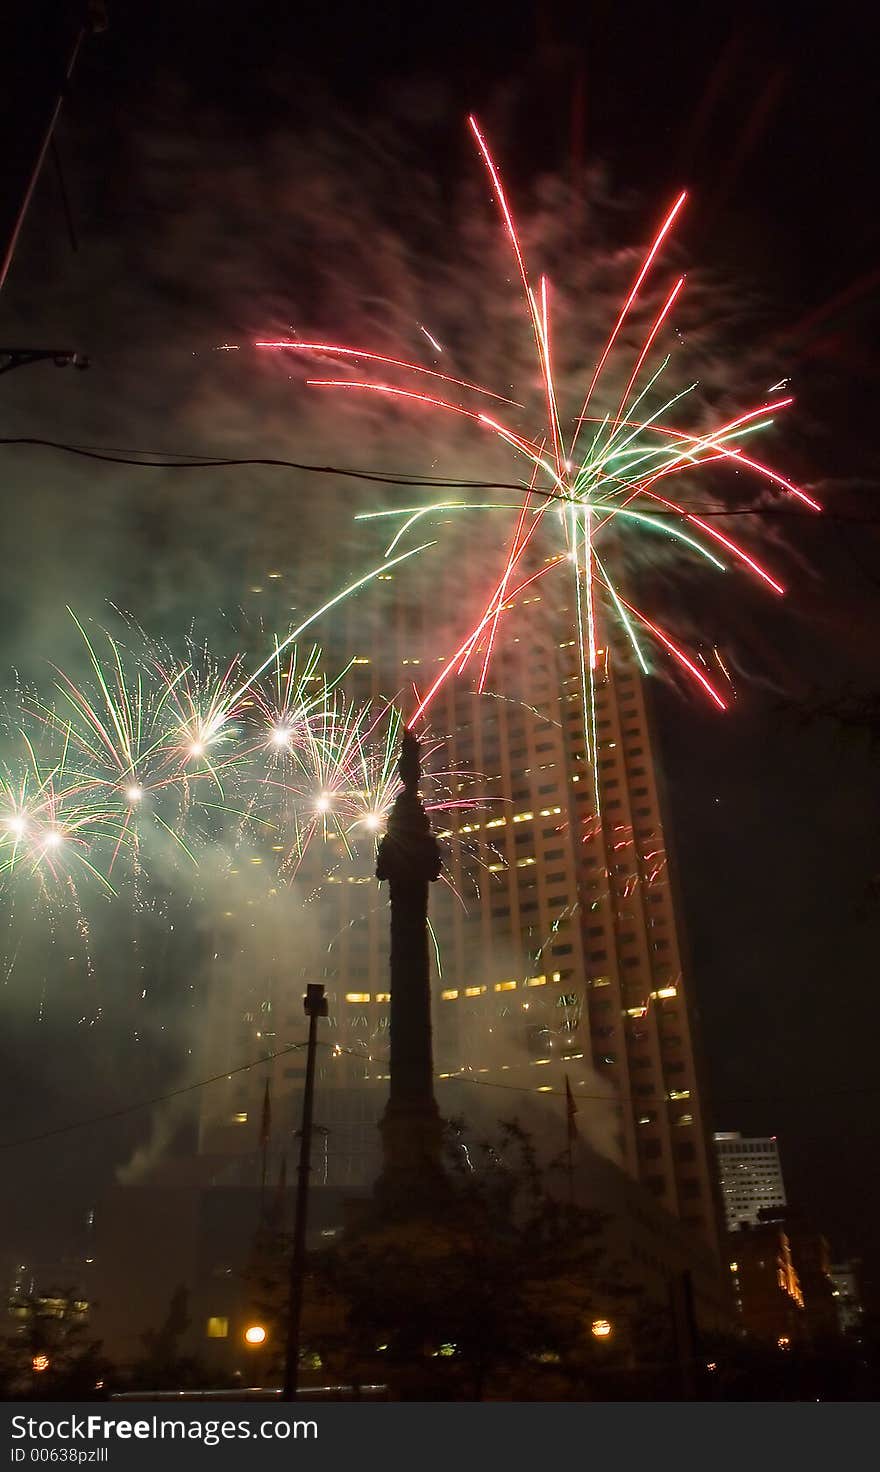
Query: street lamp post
315, 1005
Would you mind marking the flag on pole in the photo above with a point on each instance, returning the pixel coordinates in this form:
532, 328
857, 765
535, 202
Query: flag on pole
265, 1131
570, 1112
275, 1216
266, 1121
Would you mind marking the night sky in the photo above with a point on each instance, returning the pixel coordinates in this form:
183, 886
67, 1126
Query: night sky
767, 115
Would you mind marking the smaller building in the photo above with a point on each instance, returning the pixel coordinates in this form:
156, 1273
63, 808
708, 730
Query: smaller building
750, 1175
811, 1256
193, 1227
846, 1291
766, 1287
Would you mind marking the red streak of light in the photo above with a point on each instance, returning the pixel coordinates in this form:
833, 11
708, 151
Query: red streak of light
664, 312
707, 442
328, 347
778, 479
678, 653
499, 597
451, 664
516, 552
400, 393
727, 542
658, 241
540, 333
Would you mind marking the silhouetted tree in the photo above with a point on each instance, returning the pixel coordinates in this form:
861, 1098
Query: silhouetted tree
48, 1354
164, 1366
487, 1288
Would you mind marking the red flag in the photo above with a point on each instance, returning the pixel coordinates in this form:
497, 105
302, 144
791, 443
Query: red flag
266, 1121
570, 1111
276, 1214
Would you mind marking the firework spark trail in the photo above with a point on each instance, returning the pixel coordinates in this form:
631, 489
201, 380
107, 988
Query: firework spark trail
340, 351
143, 745
611, 485
646, 266
45, 825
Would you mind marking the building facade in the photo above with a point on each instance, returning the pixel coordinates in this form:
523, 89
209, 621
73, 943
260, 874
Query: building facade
557, 958
767, 1290
555, 927
750, 1176
811, 1256
846, 1291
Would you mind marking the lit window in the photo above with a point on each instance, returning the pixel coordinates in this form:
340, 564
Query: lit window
505, 986
536, 981
664, 992
217, 1327
522, 817
474, 991
497, 823
449, 996
383, 997
357, 996
240, 1118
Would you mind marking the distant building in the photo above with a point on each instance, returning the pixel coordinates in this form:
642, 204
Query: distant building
766, 1286
750, 1175
812, 1260
194, 1227
561, 959
847, 1295
785, 1245
559, 931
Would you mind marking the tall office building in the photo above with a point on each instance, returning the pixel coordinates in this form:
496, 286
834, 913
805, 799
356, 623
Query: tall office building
847, 1295
557, 944
750, 1175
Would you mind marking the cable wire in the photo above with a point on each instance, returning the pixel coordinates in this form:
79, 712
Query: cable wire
161, 460
228, 1073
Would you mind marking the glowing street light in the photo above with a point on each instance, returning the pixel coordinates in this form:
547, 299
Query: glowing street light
255, 1335
39, 1363
600, 1328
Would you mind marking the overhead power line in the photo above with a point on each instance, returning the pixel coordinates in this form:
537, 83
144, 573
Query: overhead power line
162, 460
227, 1073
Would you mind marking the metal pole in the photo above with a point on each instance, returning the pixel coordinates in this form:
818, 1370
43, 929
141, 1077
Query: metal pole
315, 1005
54, 105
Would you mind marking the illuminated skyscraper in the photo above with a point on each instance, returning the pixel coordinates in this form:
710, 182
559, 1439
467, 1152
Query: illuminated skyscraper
751, 1176
556, 932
